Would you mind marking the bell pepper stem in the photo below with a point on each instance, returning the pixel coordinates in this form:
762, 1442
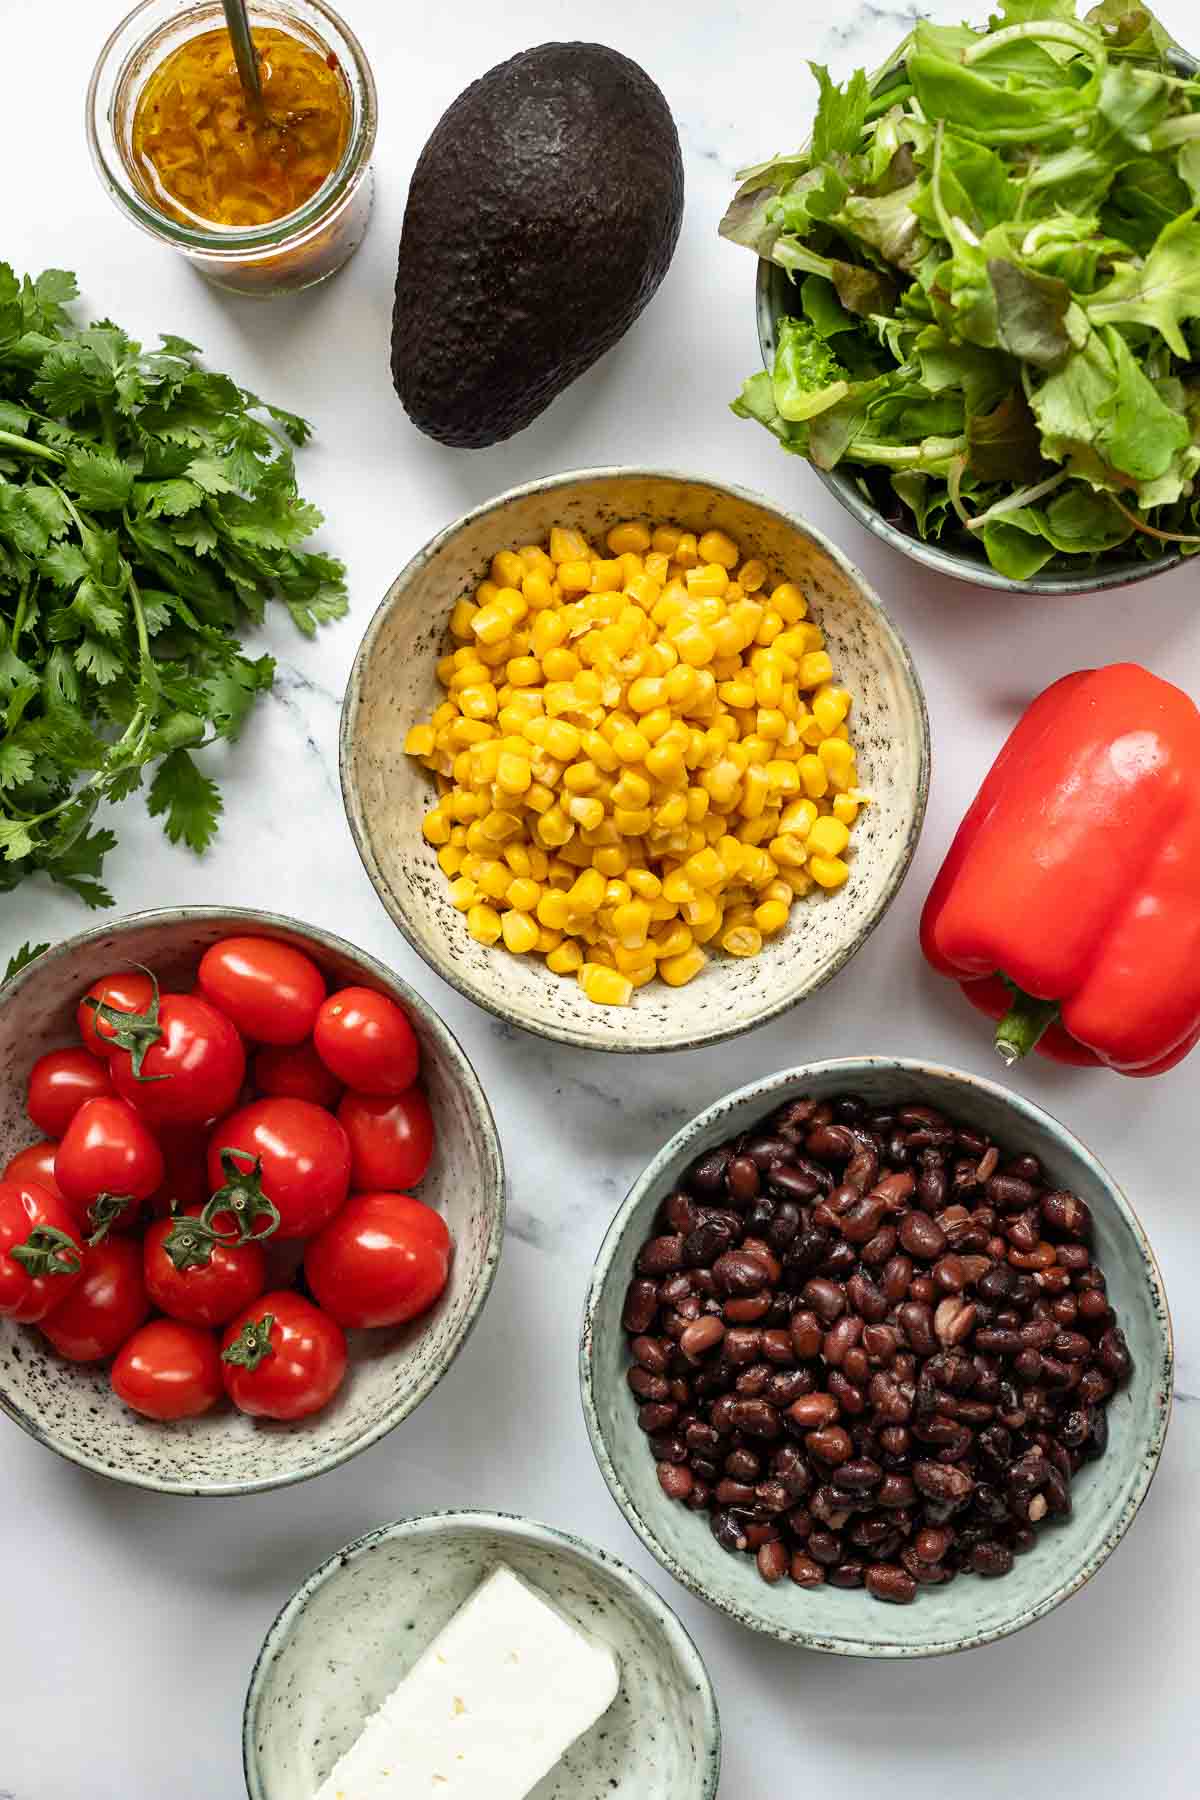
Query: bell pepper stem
1022, 1025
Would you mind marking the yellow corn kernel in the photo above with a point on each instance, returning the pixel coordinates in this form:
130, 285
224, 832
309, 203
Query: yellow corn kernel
520, 862
460, 620
547, 941
606, 576
768, 685
519, 932
673, 938
492, 877
566, 959
435, 828
630, 745
814, 775
486, 592
788, 851
771, 916
561, 740
845, 809
700, 911
604, 986
677, 971
698, 803
686, 553
798, 819
646, 693
631, 924
706, 869
797, 879
715, 547
828, 871
827, 838
492, 624
523, 671
554, 828
632, 790
523, 894
771, 723
837, 759
789, 602
483, 923
707, 583
752, 575
629, 535
585, 811
741, 940
722, 784
665, 763
828, 709
508, 569
419, 741
645, 883
677, 887
553, 909
631, 821
587, 892
738, 693
575, 577
567, 545
513, 774
695, 646
450, 859
582, 777
815, 668
612, 860
463, 893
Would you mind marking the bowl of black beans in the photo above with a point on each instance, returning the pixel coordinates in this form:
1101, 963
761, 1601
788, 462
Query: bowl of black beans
876, 1331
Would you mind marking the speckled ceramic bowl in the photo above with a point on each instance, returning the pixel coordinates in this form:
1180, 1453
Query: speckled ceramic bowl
363, 1618
393, 685
969, 1611
72, 1409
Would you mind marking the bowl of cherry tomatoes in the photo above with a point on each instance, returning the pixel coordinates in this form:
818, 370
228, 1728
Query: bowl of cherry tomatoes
251, 1200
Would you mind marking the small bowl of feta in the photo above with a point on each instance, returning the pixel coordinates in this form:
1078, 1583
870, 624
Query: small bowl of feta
478, 1656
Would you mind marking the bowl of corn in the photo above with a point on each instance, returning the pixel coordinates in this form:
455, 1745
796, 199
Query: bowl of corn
634, 760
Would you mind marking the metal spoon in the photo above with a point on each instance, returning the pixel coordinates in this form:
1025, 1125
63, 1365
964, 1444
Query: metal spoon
244, 53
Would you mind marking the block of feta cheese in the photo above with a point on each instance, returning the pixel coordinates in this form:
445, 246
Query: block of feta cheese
488, 1709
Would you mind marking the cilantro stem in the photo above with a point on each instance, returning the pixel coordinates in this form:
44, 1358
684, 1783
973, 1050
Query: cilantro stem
15, 441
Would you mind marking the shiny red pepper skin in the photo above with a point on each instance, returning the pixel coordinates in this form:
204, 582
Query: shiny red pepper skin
1076, 873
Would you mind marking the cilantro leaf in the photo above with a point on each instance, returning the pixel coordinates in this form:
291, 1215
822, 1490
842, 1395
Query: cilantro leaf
148, 512
189, 800
21, 959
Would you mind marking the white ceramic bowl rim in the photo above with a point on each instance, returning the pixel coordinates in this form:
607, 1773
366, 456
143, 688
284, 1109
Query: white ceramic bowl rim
252, 919
651, 1181
429, 1525
444, 967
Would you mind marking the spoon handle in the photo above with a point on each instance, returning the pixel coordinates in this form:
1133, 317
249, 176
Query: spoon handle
244, 53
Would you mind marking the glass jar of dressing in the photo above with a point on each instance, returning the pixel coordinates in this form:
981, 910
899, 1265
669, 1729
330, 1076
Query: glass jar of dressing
262, 201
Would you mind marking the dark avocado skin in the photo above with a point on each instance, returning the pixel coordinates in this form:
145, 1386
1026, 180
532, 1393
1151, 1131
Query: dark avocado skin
542, 215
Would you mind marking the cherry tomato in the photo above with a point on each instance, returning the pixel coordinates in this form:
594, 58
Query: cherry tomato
59, 1083
41, 1256
107, 1149
285, 1369
305, 1159
270, 990
391, 1139
197, 1280
366, 1040
383, 1259
296, 1072
106, 1306
36, 1163
200, 1054
127, 991
169, 1371
185, 1172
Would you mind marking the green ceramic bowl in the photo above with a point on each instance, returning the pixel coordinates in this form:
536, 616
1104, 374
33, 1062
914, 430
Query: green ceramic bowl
361, 1620
968, 1611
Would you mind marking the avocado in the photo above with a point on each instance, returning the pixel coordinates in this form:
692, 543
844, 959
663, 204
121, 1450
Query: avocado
542, 215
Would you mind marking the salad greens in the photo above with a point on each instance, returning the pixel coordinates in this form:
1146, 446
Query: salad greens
147, 512
994, 258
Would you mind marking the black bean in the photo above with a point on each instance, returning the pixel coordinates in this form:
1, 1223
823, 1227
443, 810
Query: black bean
706, 1177
886, 1581
1114, 1354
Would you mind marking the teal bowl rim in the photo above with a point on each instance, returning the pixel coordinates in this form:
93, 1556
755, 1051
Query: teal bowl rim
357, 813
769, 286
650, 1183
433, 1524
255, 918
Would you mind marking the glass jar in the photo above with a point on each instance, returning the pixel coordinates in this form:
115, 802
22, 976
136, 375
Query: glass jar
289, 253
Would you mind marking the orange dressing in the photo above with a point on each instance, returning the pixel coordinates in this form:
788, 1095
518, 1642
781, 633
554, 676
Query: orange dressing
207, 156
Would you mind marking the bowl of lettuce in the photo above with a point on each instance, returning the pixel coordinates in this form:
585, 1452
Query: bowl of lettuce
979, 297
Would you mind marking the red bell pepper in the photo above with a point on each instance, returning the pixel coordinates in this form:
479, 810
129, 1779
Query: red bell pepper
1068, 906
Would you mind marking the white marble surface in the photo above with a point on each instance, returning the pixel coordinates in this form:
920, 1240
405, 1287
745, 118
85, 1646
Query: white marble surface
131, 1621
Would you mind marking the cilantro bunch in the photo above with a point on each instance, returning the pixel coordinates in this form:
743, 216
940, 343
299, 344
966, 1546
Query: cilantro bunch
148, 512
995, 257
